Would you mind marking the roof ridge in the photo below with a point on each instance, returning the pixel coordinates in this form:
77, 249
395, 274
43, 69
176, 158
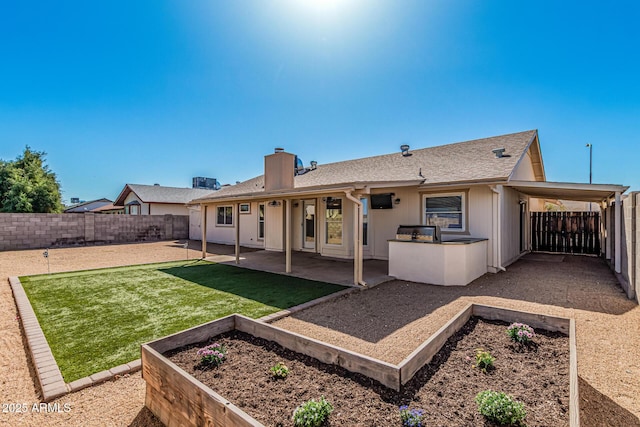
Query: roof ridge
431, 148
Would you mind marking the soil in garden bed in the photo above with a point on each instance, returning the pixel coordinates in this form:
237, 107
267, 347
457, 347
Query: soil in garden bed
444, 389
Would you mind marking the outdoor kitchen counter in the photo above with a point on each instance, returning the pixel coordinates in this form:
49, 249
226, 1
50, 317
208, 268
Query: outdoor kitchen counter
452, 263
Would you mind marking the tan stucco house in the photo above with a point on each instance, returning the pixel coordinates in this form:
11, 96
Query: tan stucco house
479, 193
138, 199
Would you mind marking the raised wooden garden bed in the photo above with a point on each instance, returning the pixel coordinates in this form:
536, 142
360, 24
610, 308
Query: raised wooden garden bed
177, 398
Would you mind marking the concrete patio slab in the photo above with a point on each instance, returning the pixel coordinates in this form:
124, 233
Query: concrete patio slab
311, 266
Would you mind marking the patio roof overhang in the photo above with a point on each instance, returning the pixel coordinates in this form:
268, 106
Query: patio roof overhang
567, 190
292, 193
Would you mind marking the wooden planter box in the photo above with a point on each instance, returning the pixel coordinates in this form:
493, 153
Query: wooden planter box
178, 399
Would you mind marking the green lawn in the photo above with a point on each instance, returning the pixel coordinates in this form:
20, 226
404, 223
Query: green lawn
97, 319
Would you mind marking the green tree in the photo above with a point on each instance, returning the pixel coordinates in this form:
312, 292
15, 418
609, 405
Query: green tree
28, 185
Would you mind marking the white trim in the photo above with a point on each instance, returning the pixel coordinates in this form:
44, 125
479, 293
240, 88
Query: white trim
325, 237
264, 212
463, 209
217, 224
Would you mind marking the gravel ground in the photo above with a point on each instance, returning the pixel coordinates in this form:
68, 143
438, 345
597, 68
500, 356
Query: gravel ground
391, 320
388, 322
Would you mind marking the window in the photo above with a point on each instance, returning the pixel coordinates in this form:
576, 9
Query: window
365, 221
245, 208
225, 215
446, 211
333, 221
132, 208
261, 221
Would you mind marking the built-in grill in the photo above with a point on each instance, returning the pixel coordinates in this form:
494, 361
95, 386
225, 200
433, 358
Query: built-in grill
419, 233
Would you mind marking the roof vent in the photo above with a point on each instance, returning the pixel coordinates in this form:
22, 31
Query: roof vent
313, 164
156, 185
499, 152
405, 150
278, 150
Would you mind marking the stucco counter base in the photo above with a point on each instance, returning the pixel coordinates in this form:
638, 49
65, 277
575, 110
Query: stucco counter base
455, 263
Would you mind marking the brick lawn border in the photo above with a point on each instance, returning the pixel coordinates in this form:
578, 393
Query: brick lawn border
50, 379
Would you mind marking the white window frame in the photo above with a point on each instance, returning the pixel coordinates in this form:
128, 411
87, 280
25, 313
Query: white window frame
225, 224
262, 206
365, 234
326, 223
463, 210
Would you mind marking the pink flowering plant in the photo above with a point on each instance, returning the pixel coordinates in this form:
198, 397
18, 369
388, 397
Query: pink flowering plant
213, 354
521, 333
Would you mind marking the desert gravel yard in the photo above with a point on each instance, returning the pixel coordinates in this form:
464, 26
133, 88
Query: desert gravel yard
388, 321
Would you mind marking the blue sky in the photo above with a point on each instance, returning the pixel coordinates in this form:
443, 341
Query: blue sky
158, 92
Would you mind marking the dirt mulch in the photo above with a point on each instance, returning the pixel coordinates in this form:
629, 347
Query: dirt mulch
537, 375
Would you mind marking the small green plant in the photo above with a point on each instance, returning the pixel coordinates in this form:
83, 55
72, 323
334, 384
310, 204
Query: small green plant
280, 370
411, 417
484, 360
213, 354
312, 413
521, 333
500, 407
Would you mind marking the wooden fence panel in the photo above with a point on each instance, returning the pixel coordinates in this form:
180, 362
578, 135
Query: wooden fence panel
566, 232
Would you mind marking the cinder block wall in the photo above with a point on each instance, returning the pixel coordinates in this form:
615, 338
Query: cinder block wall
635, 255
630, 247
34, 231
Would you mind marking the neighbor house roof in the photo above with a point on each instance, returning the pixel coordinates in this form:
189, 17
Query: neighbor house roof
462, 162
86, 206
109, 207
160, 194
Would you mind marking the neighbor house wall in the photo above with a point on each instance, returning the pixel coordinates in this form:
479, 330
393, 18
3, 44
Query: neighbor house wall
157, 208
33, 231
167, 209
144, 207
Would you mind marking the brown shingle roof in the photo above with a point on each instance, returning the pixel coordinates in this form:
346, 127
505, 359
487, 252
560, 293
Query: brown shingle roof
459, 162
160, 194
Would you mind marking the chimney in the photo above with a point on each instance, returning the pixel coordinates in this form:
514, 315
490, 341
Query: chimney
279, 170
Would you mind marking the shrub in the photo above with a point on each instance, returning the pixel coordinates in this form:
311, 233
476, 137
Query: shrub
484, 360
312, 413
280, 370
411, 417
500, 407
213, 354
519, 332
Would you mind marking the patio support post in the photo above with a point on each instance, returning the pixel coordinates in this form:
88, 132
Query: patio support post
287, 235
237, 215
203, 227
497, 225
357, 239
618, 234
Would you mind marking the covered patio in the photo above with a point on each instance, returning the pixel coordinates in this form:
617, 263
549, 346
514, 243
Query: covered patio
306, 265
606, 196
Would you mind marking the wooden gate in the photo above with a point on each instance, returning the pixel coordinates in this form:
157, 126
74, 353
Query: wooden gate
567, 232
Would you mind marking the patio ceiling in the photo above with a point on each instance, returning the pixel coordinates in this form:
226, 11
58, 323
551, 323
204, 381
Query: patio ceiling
567, 190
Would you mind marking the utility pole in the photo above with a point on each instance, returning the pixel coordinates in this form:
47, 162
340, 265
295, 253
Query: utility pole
590, 167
